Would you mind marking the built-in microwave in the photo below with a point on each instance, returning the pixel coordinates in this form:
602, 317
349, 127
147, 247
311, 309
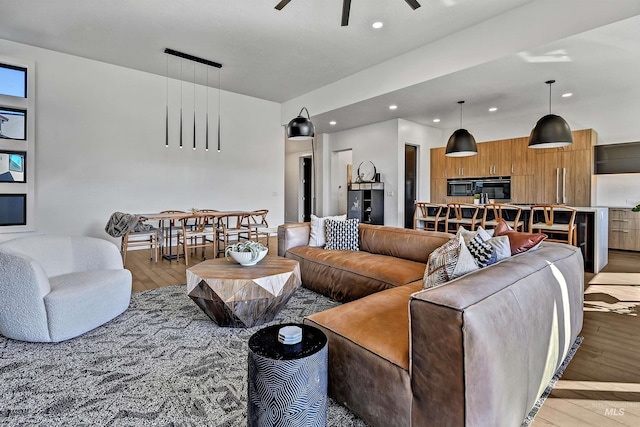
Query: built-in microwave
460, 187
498, 188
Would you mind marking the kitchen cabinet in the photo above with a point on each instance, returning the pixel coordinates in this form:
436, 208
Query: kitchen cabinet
522, 157
438, 161
366, 202
461, 167
494, 159
438, 190
522, 189
552, 175
624, 229
562, 175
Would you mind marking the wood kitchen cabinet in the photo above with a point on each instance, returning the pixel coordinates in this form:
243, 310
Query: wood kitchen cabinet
624, 229
563, 175
438, 190
438, 163
461, 167
522, 157
550, 175
494, 159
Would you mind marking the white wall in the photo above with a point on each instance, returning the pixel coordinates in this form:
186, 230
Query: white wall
383, 144
379, 144
100, 147
617, 190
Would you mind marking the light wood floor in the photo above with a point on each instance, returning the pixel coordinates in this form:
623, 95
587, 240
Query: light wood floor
601, 385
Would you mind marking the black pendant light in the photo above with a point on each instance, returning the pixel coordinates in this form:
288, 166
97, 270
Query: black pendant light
461, 143
551, 131
301, 127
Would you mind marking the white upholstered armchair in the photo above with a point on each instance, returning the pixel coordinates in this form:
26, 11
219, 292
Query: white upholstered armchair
53, 288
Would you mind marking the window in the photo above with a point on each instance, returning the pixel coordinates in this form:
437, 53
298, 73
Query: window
13, 123
13, 81
17, 145
13, 209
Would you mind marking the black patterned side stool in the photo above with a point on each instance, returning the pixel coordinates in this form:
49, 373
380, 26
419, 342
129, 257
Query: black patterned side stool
287, 383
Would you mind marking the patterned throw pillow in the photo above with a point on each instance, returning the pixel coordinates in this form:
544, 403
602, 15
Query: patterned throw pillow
483, 253
342, 235
447, 262
469, 235
318, 229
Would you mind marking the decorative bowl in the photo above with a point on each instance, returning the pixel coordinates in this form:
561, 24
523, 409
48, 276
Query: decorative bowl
244, 258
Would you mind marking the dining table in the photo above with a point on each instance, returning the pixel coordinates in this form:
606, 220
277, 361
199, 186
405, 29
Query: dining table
216, 217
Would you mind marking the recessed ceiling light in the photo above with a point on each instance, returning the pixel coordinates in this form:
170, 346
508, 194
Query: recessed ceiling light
393, 107
377, 25
492, 109
332, 122
436, 120
566, 95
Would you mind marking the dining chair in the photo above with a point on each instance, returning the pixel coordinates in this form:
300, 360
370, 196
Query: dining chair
428, 216
170, 228
494, 212
257, 225
543, 219
230, 229
198, 234
461, 214
141, 236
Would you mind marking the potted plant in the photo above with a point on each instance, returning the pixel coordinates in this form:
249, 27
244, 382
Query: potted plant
476, 199
247, 252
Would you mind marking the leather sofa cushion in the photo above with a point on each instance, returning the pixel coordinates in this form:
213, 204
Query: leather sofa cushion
414, 245
378, 323
349, 275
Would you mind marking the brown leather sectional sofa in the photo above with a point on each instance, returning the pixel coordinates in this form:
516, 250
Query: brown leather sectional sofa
477, 351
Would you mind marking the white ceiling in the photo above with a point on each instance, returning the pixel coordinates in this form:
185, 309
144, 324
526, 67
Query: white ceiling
283, 55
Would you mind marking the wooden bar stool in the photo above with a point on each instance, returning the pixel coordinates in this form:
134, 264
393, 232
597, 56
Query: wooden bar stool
553, 227
494, 212
428, 216
464, 214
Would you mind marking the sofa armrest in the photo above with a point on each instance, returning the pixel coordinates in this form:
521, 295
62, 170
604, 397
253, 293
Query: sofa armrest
484, 346
292, 235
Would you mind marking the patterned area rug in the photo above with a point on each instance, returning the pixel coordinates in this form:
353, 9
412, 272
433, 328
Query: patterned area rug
161, 363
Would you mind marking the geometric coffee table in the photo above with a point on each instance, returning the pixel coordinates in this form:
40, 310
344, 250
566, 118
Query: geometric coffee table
240, 297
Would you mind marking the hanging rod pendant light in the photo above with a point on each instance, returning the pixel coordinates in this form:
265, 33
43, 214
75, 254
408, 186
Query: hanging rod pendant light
196, 60
551, 131
461, 143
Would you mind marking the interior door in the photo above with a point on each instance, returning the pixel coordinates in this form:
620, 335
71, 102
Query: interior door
306, 188
410, 183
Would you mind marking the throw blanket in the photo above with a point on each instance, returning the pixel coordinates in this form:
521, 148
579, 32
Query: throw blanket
121, 223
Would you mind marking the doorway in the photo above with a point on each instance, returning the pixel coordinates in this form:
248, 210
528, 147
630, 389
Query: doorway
306, 189
410, 183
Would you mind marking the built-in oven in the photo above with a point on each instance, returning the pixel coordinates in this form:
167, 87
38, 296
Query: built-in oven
498, 188
460, 187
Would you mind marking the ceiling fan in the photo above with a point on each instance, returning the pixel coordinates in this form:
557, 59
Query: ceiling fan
346, 7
